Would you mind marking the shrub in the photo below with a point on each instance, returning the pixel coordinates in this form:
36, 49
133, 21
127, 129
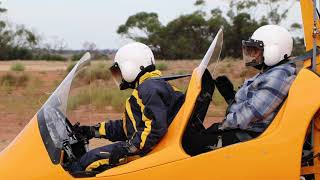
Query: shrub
100, 97
77, 56
82, 98
5, 88
100, 71
218, 100
182, 72
11, 80
17, 67
161, 66
95, 72
8, 80
22, 80
49, 57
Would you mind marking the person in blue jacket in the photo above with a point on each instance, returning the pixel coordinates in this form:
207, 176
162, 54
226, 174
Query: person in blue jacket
148, 111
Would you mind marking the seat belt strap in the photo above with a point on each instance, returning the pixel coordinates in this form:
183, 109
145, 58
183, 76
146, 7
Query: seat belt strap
303, 57
243, 136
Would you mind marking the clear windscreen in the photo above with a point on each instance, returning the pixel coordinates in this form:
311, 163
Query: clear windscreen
212, 56
55, 108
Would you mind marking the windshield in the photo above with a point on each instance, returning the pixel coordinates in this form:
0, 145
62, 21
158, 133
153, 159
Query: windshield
53, 124
213, 54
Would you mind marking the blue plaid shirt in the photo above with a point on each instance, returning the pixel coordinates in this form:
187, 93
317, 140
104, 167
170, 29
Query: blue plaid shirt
259, 99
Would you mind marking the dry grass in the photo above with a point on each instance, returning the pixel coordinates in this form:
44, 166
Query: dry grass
100, 97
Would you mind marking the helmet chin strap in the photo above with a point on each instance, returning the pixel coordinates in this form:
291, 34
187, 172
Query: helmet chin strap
283, 61
131, 85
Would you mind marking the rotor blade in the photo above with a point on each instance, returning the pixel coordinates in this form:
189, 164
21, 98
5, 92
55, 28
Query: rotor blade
213, 53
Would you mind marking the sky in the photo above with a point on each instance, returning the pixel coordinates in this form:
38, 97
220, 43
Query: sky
78, 21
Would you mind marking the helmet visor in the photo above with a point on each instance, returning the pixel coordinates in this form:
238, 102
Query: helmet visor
252, 52
116, 74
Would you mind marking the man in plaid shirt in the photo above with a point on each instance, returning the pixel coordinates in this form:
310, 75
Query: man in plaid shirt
259, 99
257, 102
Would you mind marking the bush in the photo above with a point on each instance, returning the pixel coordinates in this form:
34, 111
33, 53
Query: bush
13, 53
49, 57
100, 96
162, 66
94, 72
14, 80
22, 80
8, 80
100, 71
17, 67
82, 98
77, 57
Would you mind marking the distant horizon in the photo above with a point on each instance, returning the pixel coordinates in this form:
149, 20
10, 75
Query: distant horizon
79, 21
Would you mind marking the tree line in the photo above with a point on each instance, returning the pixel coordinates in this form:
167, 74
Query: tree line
189, 35
15, 43
186, 37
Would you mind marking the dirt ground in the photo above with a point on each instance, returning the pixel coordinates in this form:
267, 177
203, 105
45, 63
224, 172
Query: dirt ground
20, 104
35, 65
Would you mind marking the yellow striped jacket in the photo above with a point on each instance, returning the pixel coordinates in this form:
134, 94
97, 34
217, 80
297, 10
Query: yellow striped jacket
148, 113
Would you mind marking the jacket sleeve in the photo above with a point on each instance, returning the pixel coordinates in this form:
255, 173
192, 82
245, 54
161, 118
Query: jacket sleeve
154, 116
260, 103
112, 130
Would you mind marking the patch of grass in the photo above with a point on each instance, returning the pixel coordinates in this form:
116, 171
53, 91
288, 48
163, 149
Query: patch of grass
228, 64
34, 84
216, 113
17, 67
243, 73
161, 66
95, 72
8, 80
22, 80
222, 70
14, 80
5, 88
100, 97
82, 98
217, 99
100, 71
181, 72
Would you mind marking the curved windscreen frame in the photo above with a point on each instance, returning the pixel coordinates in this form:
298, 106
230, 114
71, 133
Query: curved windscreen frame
52, 115
212, 55
59, 97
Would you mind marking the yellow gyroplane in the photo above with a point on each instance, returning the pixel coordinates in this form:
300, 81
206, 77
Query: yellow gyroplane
46, 143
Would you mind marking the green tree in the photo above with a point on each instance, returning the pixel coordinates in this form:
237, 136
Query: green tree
146, 23
189, 36
185, 37
15, 43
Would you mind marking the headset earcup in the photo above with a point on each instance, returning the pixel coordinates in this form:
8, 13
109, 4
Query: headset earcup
271, 55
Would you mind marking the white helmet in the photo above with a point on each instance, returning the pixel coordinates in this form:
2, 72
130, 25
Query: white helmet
130, 62
269, 44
